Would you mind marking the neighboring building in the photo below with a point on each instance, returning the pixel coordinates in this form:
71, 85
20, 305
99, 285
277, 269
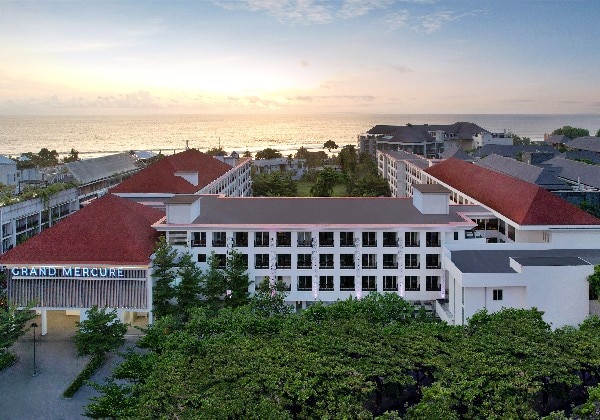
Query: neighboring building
539, 176
556, 140
402, 170
24, 219
587, 143
429, 140
8, 171
513, 152
100, 256
188, 172
578, 175
266, 166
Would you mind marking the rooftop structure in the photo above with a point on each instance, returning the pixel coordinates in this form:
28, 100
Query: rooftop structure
589, 143
581, 176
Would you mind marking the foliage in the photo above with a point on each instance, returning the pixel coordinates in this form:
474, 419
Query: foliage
323, 187
330, 144
598, 133
95, 363
369, 186
348, 159
188, 290
43, 159
6, 193
594, 280
267, 153
274, 184
213, 283
247, 154
12, 326
593, 209
163, 265
313, 159
72, 157
30, 192
102, 332
518, 141
591, 408
571, 132
216, 151
236, 280
269, 299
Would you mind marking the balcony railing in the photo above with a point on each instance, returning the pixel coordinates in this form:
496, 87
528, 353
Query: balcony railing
284, 265
198, 244
413, 266
347, 266
304, 243
438, 265
390, 265
326, 243
433, 244
218, 243
412, 244
261, 243
369, 266
261, 265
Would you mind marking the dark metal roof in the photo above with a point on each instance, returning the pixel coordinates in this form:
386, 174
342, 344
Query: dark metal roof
498, 261
90, 170
534, 174
320, 211
590, 143
576, 171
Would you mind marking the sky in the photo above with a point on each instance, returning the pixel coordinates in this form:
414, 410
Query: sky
300, 56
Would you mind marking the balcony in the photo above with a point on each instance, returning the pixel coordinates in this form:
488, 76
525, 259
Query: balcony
304, 243
412, 244
218, 243
260, 244
433, 266
196, 244
390, 243
390, 264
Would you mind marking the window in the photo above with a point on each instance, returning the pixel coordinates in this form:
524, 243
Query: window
390, 283
411, 284
244, 260
284, 238
175, 237
218, 239
369, 239
511, 232
369, 283
304, 261
369, 261
241, 239
325, 282
325, 238
432, 261
304, 239
286, 281
432, 239
389, 239
411, 261
346, 238
284, 260
346, 282
432, 283
456, 236
497, 294
261, 261
201, 257
346, 260
411, 239
261, 239
198, 239
501, 227
304, 283
221, 260
390, 261
326, 261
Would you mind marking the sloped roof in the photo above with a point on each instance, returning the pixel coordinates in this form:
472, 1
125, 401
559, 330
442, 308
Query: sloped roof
512, 151
576, 171
160, 176
529, 173
110, 230
90, 170
520, 201
462, 129
457, 153
6, 161
558, 139
590, 143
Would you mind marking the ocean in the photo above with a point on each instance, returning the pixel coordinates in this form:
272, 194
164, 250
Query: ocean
100, 135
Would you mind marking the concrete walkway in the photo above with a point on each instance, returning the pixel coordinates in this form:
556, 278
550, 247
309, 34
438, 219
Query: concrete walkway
23, 396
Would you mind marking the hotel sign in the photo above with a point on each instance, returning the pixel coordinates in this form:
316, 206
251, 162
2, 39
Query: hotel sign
98, 272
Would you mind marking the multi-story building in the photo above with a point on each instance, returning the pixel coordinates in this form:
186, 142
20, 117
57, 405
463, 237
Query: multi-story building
401, 170
188, 172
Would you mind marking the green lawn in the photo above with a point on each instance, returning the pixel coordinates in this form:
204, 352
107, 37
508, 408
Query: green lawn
304, 189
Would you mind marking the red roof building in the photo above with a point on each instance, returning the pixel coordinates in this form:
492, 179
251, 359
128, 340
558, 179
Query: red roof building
162, 176
109, 231
522, 202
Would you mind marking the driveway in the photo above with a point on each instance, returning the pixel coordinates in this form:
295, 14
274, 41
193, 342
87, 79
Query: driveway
23, 396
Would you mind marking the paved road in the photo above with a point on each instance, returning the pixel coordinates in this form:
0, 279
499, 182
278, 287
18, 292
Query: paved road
23, 396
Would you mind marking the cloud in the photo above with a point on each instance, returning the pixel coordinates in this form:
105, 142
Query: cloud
397, 20
435, 21
355, 8
304, 63
400, 69
298, 11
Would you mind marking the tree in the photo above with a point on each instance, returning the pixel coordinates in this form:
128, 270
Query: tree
101, 333
188, 290
12, 326
571, 132
268, 153
163, 265
369, 186
594, 280
348, 159
330, 144
598, 133
73, 156
247, 154
518, 141
216, 151
236, 280
274, 184
326, 180
213, 285
269, 299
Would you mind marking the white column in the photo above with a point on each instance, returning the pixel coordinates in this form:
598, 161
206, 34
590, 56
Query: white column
315, 264
44, 321
358, 264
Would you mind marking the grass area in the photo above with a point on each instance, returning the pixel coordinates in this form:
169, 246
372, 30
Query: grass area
304, 189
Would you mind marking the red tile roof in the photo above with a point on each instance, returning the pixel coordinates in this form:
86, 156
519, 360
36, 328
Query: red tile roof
111, 230
520, 201
160, 176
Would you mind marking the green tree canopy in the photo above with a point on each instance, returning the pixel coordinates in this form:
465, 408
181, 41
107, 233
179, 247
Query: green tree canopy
267, 153
518, 141
164, 272
348, 159
598, 133
274, 184
594, 280
216, 151
247, 153
72, 157
571, 132
100, 333
326, 180
330, 144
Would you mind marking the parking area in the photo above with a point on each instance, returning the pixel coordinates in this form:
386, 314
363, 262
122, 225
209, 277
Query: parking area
23, 396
